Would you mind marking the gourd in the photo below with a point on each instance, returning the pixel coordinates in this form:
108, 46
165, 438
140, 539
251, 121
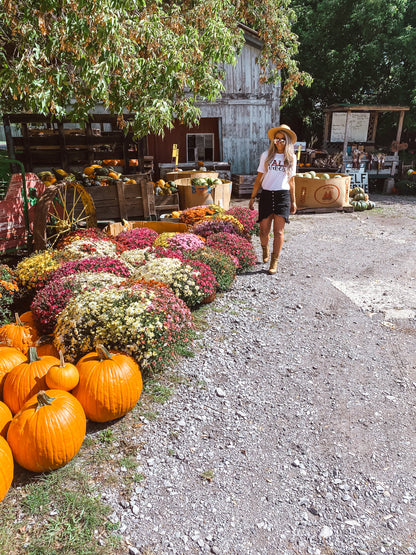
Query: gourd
64, 376
370, 205
9, 358
110, 384
18, 334
6, 468
360, 206
5, 418
48, 431
359, 196
26, 379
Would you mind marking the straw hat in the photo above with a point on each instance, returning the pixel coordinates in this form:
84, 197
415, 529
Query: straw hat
272, 132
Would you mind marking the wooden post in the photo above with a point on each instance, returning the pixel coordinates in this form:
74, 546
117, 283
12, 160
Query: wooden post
398, 137
27, 157
344, 148
326, 130
62, 147
121, 200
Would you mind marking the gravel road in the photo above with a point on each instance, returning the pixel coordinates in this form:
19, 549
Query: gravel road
293, 431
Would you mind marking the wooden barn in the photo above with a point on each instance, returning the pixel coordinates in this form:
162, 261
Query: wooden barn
232, 129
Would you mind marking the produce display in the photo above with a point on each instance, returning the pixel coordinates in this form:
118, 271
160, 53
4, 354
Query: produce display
360, 200
100, 311
313, 175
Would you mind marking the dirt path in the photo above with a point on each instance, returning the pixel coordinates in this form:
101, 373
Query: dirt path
294, 428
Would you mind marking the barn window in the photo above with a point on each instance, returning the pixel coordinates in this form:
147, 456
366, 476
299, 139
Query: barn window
200, 146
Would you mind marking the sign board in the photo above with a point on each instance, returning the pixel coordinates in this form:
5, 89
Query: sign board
357, 127
359, 177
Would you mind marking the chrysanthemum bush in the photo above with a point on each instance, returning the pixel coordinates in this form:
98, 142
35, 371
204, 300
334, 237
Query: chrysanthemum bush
134, 257
193, 215
137, 238
191, 283
221, 264
33, 272
228, 218
8, 288
92, 264
208, 227
144, 320
91, 233
85, 248
248, 218
235, 246
185, 242
53, 298
163, 239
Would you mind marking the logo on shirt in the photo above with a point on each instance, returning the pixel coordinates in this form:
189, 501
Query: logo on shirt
277, 166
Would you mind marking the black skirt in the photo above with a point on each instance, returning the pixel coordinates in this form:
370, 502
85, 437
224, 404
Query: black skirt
274, 202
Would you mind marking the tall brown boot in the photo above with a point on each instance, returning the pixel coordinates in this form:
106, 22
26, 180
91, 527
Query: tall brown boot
273, 264
265, 253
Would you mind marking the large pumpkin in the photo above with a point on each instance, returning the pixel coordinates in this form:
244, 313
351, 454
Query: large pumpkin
63, 376
27, 318
26, 379
110, 384
44, 346
18, 334
48, 432
5, 418
9, 358
6, 467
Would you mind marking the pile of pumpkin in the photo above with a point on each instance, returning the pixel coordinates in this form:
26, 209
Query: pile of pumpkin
45, 401
360, 200
91, 176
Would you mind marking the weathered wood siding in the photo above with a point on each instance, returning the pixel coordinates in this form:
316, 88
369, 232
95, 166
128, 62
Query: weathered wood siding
247, 110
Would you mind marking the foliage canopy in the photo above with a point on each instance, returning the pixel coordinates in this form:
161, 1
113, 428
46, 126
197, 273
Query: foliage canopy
154, 59
356, 52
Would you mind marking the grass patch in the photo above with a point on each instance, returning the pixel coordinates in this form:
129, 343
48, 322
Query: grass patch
157, 392
58, 512
208, 475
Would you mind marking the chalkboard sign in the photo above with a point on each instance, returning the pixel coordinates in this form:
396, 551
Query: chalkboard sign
357, 127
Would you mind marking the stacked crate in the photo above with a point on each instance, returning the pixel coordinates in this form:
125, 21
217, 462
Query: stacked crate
242, 184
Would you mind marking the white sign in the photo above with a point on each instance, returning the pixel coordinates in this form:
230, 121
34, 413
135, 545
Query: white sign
357, 127
359, 177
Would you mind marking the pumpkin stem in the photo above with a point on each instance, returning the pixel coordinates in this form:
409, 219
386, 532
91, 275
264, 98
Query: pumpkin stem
44, 400
61, 358
33, 354
102, 352
18, 320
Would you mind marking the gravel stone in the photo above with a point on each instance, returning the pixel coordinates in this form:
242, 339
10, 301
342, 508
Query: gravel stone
298, 404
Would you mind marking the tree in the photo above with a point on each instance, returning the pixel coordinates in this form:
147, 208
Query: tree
356, 52
152, 59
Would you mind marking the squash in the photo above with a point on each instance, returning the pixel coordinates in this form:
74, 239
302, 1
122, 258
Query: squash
48, 431
26, 379
110, 384
90, 170
6, 467
18, 335
360, 206
64, 376
9, 358
370, 205
359, 196
27, 318
114, 175
5, 419
130, 182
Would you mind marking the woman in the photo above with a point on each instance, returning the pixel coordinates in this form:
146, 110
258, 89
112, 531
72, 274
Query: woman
276, 176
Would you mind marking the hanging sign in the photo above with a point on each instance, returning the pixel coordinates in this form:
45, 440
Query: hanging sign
357, 127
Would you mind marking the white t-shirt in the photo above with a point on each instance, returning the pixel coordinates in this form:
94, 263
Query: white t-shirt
276, 178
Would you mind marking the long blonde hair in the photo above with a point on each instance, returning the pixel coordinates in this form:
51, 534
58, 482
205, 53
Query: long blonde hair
289, 153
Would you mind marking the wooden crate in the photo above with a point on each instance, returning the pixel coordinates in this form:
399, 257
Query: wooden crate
166, 203
124, 202
242, 184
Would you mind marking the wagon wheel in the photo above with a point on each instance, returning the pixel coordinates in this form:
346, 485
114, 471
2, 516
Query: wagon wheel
63, 207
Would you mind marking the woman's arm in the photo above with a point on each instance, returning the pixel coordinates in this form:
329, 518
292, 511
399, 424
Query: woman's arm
292, 196
256, 187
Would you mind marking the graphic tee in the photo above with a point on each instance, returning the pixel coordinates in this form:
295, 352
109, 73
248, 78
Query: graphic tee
276, 178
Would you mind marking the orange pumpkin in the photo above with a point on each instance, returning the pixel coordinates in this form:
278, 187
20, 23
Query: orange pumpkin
64, 376
48, 432
26, 379
18, 334
9, 358
27, 318
6, 467
5, 418
45, 347
110, 384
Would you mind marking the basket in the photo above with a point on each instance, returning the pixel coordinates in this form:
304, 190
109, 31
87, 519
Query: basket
160, 227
